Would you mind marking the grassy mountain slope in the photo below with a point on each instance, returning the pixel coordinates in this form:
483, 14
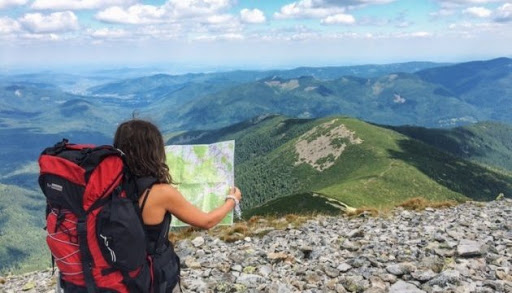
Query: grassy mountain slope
489, 143
22, 242
302, 203
348, 160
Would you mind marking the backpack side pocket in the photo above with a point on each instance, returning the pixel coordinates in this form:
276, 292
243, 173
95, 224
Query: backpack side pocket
120, 234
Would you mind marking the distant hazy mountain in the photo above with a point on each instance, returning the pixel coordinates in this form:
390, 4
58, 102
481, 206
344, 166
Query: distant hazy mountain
432, 97
163, 86
396, 99
348, 160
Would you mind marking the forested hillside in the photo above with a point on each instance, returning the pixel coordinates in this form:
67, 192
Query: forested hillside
489, 143
348, 160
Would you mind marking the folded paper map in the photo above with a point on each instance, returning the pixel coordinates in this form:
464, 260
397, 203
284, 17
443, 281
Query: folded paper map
203, 174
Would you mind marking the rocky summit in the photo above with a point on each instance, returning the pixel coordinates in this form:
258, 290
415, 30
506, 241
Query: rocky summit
466, 248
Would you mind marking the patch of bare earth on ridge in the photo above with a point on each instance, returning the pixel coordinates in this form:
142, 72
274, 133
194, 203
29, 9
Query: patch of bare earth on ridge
290, 85
321, 146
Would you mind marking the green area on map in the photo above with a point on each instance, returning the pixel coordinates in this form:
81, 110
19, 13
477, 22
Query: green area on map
203, 174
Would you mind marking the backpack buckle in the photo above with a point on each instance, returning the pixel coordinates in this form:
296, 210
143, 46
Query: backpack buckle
81, 227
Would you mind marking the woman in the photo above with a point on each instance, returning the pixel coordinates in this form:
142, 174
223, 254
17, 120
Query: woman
143, 145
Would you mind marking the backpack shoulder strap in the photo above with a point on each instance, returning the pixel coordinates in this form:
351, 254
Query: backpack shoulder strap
146, 195
144, 183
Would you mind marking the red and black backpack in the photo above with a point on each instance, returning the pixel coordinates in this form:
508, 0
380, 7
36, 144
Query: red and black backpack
95, 230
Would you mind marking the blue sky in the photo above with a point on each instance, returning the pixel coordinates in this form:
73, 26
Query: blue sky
250, 33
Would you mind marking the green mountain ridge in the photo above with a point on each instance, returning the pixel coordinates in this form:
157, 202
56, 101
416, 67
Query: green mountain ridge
421, 98
361, 165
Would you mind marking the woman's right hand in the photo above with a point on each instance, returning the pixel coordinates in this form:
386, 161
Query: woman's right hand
236, 193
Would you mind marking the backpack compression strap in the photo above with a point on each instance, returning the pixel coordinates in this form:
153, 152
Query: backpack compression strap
85, 254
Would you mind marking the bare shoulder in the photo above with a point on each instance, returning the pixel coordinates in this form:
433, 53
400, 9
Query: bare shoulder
164, 188
165, 191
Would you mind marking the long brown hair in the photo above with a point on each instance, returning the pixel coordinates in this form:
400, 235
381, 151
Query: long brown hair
143, 145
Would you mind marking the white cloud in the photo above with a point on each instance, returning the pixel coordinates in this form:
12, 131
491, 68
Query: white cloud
322, 8
77, 4
340, 18
465, 3
443, 12
54, 22
252, 16
9, 3
307, 9
452, 7
180, 9
136, 14
462, 25
225, 37
171, 11
420, 34
107, 33
504, 13
220, 19
8, 25
481, 12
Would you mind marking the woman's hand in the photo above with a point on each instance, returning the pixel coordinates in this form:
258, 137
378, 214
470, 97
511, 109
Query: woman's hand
236, 193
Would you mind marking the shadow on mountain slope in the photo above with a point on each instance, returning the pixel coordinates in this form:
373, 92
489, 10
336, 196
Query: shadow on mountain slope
472, 180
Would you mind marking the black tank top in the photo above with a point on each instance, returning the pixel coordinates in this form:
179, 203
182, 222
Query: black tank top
157, 235
166, 264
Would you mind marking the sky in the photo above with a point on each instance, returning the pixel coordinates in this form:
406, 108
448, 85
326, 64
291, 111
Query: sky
250, 34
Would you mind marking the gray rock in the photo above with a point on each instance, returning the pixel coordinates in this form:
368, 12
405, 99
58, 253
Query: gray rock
250, 280
469, 248
350, 246
463, 249
278, 287
355, 283
375, 290
356, 233
340, 289
404, 287
331, 272
192, 263
400, 269
344, 267
312, 277
445, 278
265, 270
423, 276
197, 285
388, 278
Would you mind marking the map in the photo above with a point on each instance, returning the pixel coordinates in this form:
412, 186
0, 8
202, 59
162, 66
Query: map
203, 174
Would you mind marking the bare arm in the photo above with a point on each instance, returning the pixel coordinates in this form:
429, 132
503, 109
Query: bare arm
176, 204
